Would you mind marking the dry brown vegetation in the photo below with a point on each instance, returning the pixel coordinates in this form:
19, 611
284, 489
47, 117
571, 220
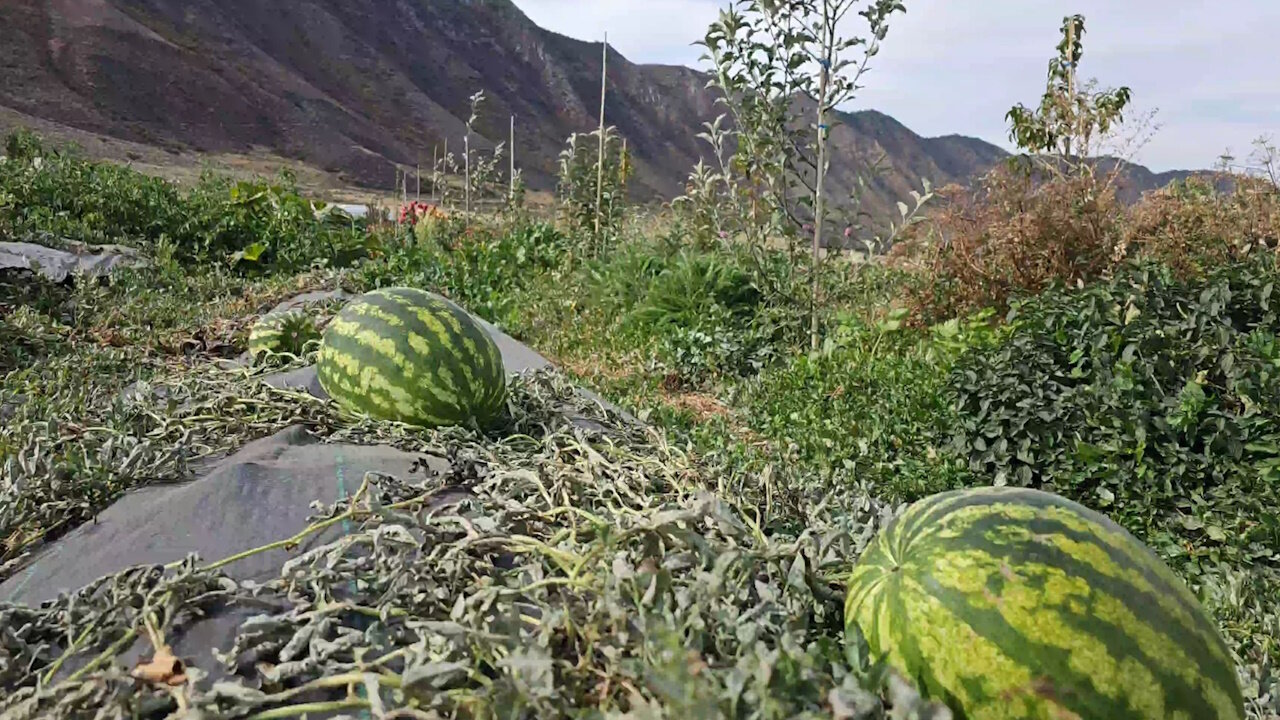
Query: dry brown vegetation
1010, 235
1194, 226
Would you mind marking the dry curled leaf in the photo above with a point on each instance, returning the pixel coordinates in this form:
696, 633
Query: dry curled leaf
163, 669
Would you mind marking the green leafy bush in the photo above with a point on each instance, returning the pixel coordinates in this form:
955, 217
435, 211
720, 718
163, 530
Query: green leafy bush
621, 281
258, 224
871, 404
1154, 399
23, 145
718, 347
693, 286
479, 266
52, 193
708, 316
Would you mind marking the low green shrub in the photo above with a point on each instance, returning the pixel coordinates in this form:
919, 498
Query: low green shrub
1154, 399
258, 224
694, 285
707, 317
479, 266
51, 193
620, 281
870, 405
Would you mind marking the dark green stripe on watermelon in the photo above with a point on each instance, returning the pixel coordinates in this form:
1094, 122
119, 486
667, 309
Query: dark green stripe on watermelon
1129, 554
287, 331
408, 355
478, 355
458, 369
1018, 603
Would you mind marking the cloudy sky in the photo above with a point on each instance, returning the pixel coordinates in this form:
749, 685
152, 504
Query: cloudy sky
1209, 68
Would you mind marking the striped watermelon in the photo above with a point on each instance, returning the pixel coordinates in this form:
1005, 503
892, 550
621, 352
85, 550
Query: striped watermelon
1014, 603
287, 331
412, 356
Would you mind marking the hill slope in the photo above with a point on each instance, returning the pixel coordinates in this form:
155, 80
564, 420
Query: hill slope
352, 86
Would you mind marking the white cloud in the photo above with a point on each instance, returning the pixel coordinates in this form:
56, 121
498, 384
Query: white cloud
957, 67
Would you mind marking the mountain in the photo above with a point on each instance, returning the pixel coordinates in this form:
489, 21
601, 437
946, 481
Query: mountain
353, 86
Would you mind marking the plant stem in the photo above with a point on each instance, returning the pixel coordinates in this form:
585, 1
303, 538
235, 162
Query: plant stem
1071, 85
71, 650
309, 708
300, 536
105, 655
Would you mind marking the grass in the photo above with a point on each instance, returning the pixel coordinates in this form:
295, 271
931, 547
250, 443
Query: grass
709, 346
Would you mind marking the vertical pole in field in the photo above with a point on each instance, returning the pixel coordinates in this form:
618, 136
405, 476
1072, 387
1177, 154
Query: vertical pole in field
466, 159
604, 78
435, 172
395, 192
511, 193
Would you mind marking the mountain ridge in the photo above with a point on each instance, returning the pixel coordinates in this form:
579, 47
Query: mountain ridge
355, 86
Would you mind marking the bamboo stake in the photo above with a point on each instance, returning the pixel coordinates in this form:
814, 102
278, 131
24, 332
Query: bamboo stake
604, 78
466, 157
435, 172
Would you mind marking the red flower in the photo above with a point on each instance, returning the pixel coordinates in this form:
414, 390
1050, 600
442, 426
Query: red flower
415, 211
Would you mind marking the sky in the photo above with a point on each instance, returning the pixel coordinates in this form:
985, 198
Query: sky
1209, 70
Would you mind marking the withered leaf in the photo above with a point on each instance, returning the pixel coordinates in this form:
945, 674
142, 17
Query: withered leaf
163, 669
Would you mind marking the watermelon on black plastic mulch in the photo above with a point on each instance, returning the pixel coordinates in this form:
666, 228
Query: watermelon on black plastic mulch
412, 356
286, 331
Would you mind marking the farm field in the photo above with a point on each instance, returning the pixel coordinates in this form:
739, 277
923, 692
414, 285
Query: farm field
1016, 456
1149, 395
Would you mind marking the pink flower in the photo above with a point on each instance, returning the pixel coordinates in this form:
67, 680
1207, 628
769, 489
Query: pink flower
848, 232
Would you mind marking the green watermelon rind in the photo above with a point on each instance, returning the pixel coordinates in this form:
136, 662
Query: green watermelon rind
412, 356
1010, 602
283, 332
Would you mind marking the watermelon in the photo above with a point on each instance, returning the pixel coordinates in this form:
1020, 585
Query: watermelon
286, 331
412, 356
1016, 603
